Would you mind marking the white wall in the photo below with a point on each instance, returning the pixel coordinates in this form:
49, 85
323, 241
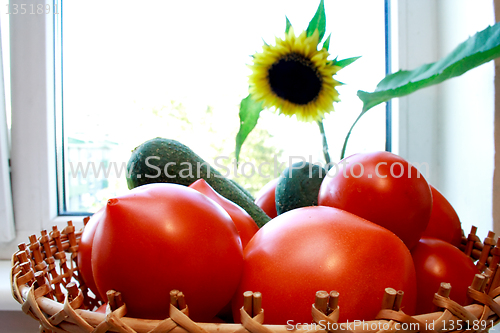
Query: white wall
418, 112
496, 178
450, 126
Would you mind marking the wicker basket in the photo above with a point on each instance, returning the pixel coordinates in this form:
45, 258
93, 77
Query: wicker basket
45, 280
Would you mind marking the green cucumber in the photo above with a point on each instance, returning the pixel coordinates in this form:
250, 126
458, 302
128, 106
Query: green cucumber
298, 186
183, 166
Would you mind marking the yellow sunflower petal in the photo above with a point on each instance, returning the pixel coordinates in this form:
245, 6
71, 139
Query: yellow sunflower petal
303, 51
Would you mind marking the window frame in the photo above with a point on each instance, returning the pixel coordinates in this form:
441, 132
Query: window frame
33, 139
62, 151
33, 156
34, 73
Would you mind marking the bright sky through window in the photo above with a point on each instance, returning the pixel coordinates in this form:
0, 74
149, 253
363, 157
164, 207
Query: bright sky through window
133, 71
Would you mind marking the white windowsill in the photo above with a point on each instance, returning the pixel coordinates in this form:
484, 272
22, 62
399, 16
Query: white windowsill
7, 302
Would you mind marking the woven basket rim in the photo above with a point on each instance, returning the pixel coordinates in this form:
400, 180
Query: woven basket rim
60, 300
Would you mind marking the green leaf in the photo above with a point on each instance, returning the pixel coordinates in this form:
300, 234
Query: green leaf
288, 25
346, 62
326, 44
318, 22
249, 115
332, 62
475, 51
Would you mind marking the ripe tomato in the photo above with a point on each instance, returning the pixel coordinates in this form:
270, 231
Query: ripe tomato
322, 248
444, 223
102, 308
265, 199
160, 237
382, 188
244, 223
437, 261
84, 257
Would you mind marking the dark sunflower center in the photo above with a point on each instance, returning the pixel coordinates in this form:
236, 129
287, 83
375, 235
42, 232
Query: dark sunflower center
295, 78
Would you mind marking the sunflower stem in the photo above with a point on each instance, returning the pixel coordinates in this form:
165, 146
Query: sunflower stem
342, 154
325, 142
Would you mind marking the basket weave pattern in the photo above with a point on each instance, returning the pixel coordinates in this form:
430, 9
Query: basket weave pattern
45, 280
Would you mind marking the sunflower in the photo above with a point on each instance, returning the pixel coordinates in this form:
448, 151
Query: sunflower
295, 78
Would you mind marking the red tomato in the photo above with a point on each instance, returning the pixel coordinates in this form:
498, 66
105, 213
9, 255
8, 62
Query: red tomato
84, 257
437, 261
102, 308
217, 320
444, 223
265, 199
160, 237
382, 188
244, 223
322, 248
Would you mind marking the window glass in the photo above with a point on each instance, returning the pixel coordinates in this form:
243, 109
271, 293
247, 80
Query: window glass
132, 71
